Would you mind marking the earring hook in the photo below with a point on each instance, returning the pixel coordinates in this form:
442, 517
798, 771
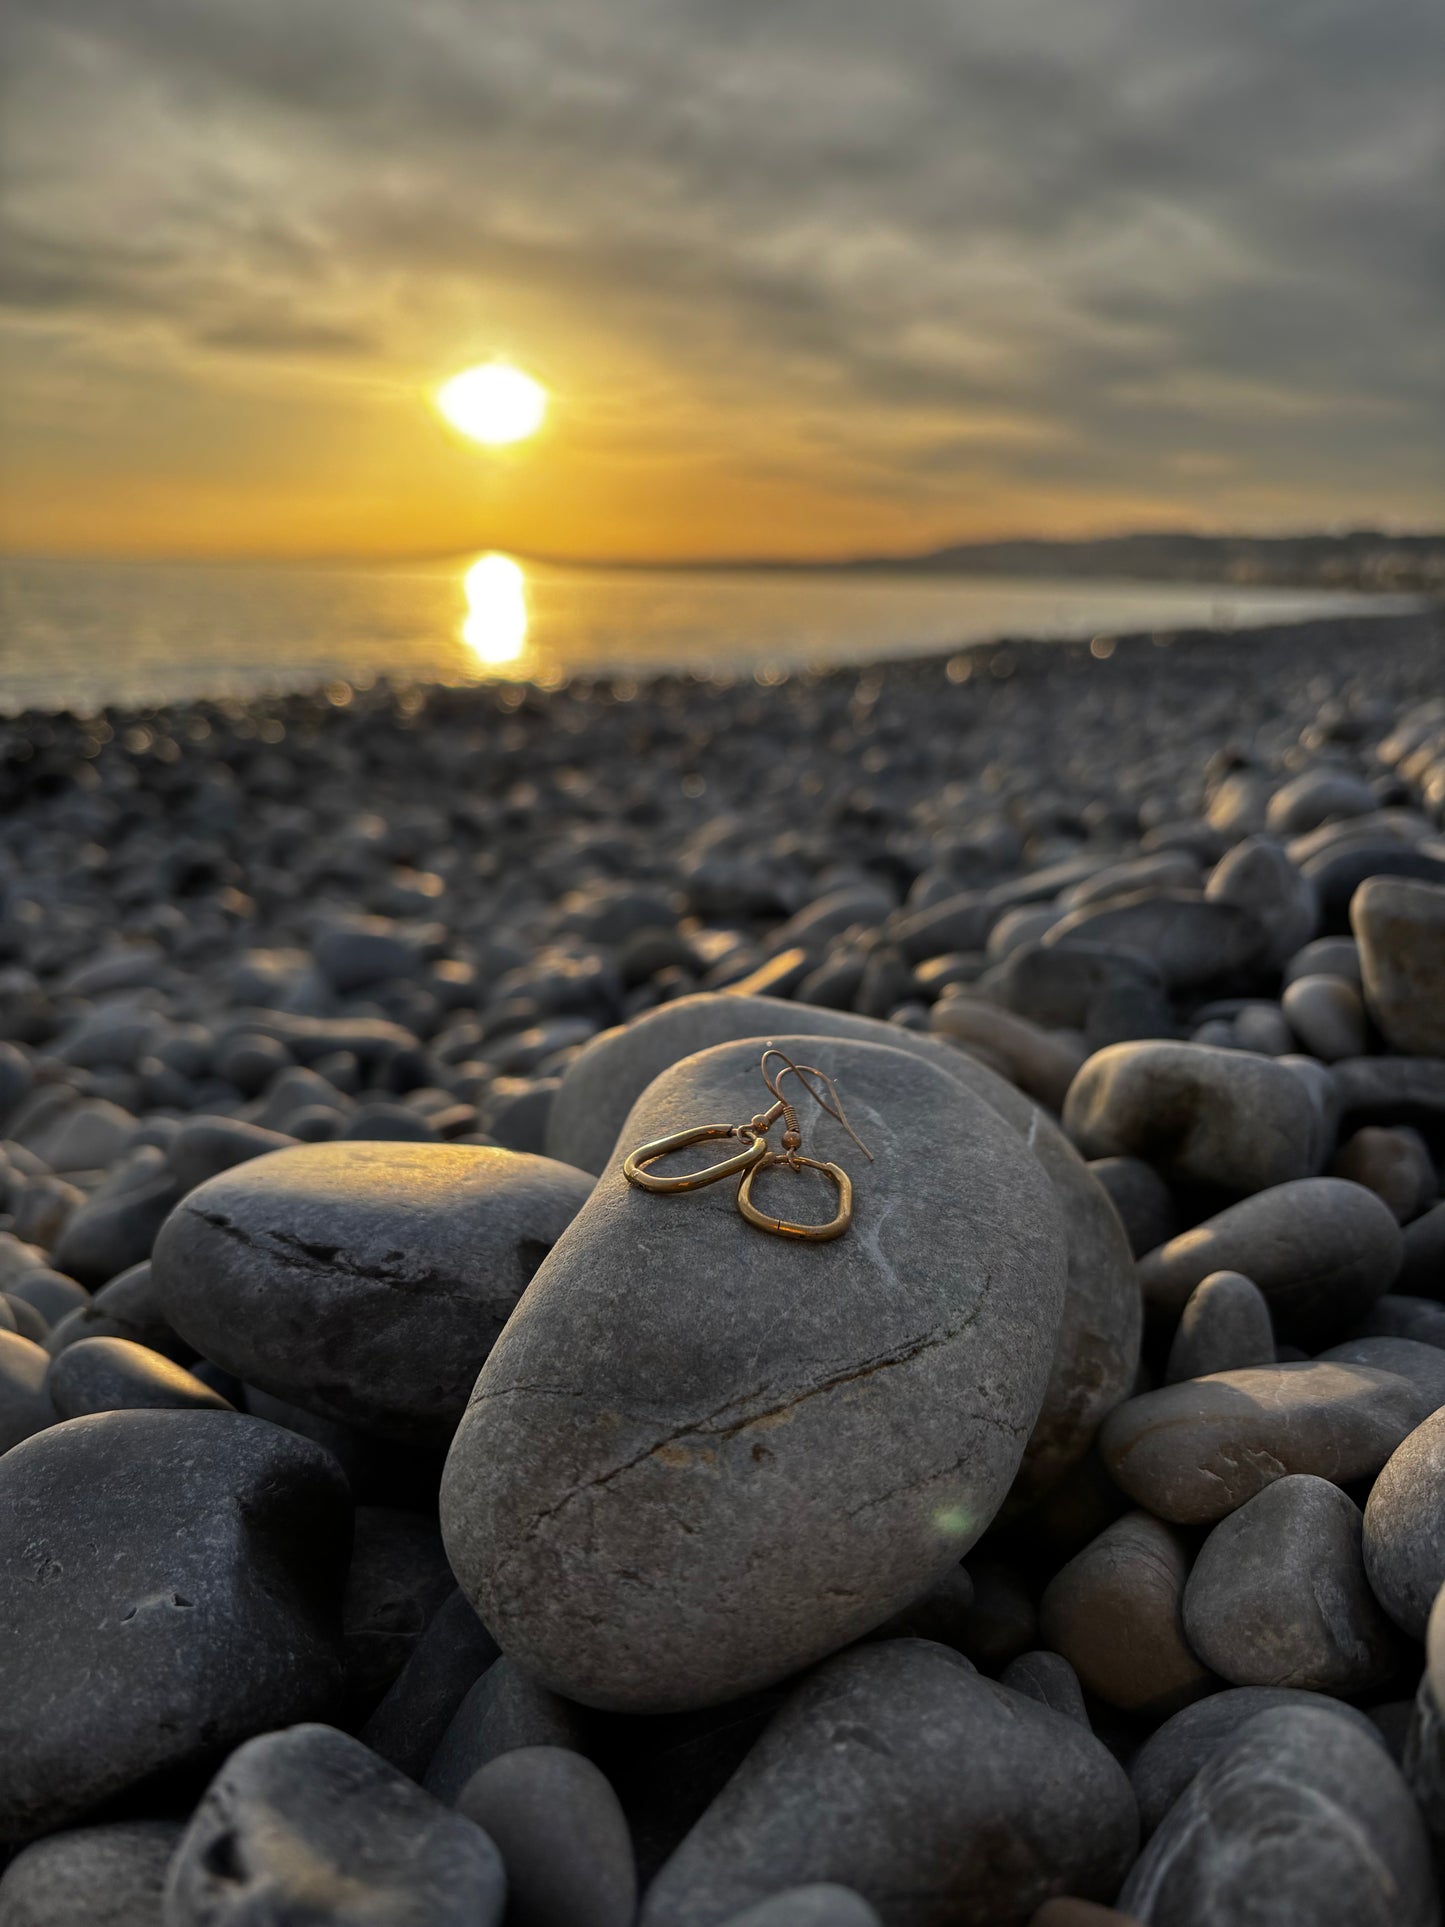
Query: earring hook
803, 1072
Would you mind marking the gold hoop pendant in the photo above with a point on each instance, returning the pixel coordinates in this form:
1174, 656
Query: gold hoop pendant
783, 1227
633, 1170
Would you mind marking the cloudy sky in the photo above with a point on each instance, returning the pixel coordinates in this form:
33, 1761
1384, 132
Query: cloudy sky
802, 276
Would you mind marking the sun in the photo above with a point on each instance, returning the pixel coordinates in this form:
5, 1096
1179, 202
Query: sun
494, 403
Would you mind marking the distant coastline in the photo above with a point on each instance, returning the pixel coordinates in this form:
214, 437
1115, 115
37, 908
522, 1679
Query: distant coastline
1358, 559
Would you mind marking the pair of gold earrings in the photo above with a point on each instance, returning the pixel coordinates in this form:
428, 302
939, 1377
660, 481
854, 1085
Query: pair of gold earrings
758, 1154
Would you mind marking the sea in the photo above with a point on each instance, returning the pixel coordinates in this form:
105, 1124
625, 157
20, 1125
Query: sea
86, 634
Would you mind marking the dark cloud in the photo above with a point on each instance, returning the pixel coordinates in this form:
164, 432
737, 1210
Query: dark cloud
1148, 225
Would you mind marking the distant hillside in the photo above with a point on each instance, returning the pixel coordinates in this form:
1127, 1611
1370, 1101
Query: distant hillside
1362, 559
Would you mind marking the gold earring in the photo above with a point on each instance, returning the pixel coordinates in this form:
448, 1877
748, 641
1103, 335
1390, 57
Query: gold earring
757, 1154
791, 1156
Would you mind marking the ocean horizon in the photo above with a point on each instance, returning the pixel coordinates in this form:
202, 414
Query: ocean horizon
84, 634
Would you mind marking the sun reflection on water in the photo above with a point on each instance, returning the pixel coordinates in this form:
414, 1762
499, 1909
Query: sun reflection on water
495, 626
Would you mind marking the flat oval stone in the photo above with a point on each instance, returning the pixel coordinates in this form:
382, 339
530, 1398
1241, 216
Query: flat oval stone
1327, 1015
1278, 1594
1299, 1817
309, 1825
1322, 1250
701, 1457
1172, 1755
1405, 1527
105, 1876
1142, 1199
1225, 1326
562, 1835
170, 1582
115, 1375
1259, 876
897, 1771
1193, 1452
364, 1282
1399, 925
1423, 1365
1193, 940
1207, 1116
1114, 1613
1097, 1347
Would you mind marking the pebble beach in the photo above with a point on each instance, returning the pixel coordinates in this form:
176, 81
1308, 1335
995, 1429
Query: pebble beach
407, 1521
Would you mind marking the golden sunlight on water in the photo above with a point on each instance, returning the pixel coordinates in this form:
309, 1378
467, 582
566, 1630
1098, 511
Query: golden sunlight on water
495, 625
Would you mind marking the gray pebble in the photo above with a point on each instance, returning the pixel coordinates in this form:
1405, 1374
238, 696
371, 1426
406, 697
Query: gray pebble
1278, 1594
1005, 1801
1193, 1452
1405, 1527
774, 1469
1399, 925
365, 1282
170, 1583
1225, 1325
1297, 1818
1224, 1118
104, 1876
1114, 1613
1321, 1250
309, 1825
504, 1710
562, 1835
115, 1375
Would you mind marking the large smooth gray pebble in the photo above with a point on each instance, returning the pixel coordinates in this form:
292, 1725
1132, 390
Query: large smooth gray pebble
701, 1457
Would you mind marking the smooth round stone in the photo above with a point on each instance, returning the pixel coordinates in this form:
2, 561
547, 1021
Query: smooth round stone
1083, 987
1395, 1165
370, 950
823, 1904
1193, 1452
115, 1230
1113, 1612
1040, 1062
128, 1307
14, 1315
1142, 1199
53, 1295
1399, 925
1159, 870
1298, 1818
1319, 796
1326, 957
744, 1451
309, 1825
1405, 1527
116, 1375
1321, 1250
1423, 1365
1338, 873
454, 1650
1096, 1350
1172, 1755
25, 1406
364, 1282
562, 1835
1224, 1327
206, 1146
999, 1801
1258, 876
1192, 940
504, 1710
1278, 1594
170, 1582
1205, 1116
1327, 1015
105, 1876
